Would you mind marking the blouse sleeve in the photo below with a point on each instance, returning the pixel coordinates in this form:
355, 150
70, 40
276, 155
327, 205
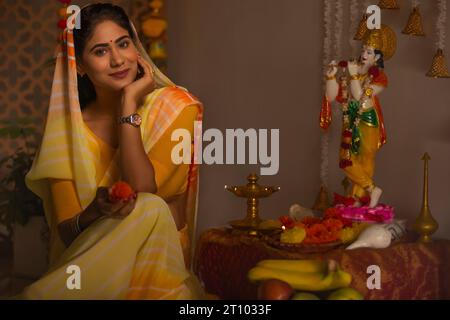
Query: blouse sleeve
171, 179
65, 201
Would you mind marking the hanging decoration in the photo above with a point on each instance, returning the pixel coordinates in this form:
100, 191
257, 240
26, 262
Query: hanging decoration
388, 4
362, 28
414, 26
439, 66
322, 201
339, 28
353, 25
154, 26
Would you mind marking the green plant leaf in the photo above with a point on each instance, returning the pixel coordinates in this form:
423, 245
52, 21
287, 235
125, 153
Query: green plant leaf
25, 121
14, 132
30, 131
4, 132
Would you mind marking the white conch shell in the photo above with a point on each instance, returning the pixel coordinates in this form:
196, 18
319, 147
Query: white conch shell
375, 236
298, 212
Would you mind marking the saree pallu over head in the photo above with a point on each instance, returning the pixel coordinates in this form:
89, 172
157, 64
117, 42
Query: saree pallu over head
64, 152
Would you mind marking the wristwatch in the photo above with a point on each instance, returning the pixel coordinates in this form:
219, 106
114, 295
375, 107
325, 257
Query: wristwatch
134, 119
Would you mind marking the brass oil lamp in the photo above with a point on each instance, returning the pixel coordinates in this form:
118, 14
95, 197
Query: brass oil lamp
252, 191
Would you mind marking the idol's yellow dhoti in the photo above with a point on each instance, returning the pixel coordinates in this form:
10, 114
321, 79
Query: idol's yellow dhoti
363, 164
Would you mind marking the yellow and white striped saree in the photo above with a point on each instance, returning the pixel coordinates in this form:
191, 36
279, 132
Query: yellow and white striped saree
139, 257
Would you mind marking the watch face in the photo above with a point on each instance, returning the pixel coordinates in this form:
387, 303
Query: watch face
136, 119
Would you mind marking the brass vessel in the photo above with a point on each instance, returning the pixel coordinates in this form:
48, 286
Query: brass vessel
425, 224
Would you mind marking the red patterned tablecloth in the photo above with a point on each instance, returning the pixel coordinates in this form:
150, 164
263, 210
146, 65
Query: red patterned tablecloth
409, 270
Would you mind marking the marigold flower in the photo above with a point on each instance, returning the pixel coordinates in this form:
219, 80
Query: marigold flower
309, 220
120, 191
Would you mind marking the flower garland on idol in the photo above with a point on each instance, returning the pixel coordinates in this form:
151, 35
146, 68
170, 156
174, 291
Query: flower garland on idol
350, 134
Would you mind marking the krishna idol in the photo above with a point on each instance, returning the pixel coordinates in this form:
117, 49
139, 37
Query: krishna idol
363, 131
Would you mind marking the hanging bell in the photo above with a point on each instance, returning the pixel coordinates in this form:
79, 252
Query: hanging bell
439, 66
362, 29
414, 25
388, 4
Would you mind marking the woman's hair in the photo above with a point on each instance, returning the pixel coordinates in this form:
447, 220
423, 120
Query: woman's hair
90, 17
380, 61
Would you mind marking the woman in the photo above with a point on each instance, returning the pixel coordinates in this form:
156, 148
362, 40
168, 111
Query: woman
110, 118
363, 130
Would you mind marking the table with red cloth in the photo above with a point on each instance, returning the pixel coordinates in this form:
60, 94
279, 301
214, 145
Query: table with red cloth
409, 270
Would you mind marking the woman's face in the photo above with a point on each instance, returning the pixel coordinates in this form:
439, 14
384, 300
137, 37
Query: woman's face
368, 56
109, 57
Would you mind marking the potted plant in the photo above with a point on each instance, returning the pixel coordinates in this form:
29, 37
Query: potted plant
21, 211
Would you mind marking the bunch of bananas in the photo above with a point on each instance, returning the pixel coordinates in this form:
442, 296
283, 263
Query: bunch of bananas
303, 275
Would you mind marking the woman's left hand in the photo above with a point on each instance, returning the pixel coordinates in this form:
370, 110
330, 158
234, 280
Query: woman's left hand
137, 90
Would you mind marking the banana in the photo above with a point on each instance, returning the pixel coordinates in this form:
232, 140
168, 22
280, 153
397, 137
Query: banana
305, 266
311, 281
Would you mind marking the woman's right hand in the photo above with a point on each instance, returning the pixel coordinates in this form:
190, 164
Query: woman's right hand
104, 208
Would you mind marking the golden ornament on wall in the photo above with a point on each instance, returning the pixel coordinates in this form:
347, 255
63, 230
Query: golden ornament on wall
362, 29
439, 66
414, 26
388, 4
154, 26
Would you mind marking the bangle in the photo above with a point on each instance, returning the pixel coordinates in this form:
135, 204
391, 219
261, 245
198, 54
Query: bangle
76, 229
355, 77
77, 223
330, 78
